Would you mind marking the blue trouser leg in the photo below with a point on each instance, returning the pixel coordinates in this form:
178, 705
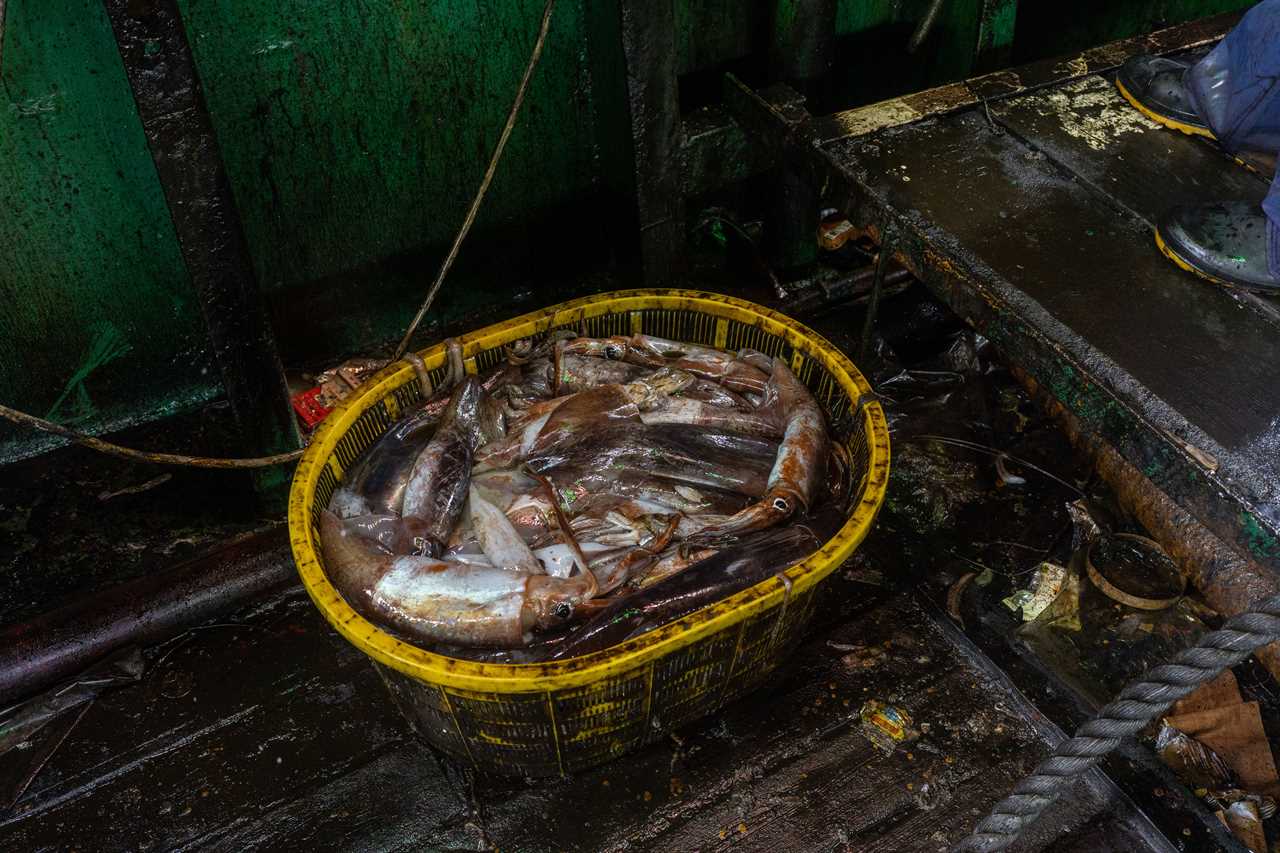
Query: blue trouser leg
1237, 91
1271, 207
1237, 86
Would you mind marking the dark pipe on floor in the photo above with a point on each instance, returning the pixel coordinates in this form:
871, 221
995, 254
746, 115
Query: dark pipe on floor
44, 650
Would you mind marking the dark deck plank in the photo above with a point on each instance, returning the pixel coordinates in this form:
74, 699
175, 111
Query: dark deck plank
1086, 126
1177, 373
1094, 269
280, 736
224, 727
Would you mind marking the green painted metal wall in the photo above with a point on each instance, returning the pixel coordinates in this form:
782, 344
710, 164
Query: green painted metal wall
354, 132
98, 325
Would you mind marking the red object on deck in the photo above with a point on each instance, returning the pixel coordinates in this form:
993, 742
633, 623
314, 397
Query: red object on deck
309, 408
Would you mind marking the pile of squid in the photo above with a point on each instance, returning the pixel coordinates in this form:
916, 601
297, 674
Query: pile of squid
581, 492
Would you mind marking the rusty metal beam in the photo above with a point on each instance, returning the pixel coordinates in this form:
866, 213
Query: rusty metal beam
963, 94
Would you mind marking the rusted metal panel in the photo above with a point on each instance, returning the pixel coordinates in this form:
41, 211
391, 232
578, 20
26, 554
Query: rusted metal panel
1229, 582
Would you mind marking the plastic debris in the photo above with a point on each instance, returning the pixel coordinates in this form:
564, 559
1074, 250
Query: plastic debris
1235, 733
886, 726
34, 730
863, 657
1017, 600
21, 721
309, 409
1044, 590
314, 404
1224, 798
1196, 764
1246, 825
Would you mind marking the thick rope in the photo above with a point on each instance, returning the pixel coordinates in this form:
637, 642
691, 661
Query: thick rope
111, 449
1138, 704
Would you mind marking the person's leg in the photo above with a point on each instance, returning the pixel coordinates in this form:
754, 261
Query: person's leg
1235, 89
1231, 95
1228, 242
1156, 87
1271, 207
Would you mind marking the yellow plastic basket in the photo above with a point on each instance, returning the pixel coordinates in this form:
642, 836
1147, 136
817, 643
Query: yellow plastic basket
554, 718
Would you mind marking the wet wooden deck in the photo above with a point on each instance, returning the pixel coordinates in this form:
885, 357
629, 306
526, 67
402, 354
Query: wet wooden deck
267, 731
270, 732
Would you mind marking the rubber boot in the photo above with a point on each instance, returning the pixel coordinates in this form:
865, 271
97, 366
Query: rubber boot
1156, 87
1227, 243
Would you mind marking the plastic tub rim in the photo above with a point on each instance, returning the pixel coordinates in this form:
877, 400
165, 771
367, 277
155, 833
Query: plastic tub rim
490, 678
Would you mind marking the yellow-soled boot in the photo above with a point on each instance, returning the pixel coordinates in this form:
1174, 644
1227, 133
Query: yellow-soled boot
1230, 243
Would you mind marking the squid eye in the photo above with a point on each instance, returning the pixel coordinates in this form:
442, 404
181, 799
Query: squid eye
781, 505
612, 351
562, 610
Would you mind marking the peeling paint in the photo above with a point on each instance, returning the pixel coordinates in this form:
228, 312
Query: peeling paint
1260, 540
1090, 109
36, 106
876, 117
278, 44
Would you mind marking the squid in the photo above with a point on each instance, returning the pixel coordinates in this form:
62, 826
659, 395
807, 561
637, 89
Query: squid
375, 485
437, 488
499, 539
434, 600
730, 371
800, 466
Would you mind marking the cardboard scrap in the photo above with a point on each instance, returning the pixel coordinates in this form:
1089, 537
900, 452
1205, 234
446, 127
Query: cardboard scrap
1235, 733
1217, 716
1222, 692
